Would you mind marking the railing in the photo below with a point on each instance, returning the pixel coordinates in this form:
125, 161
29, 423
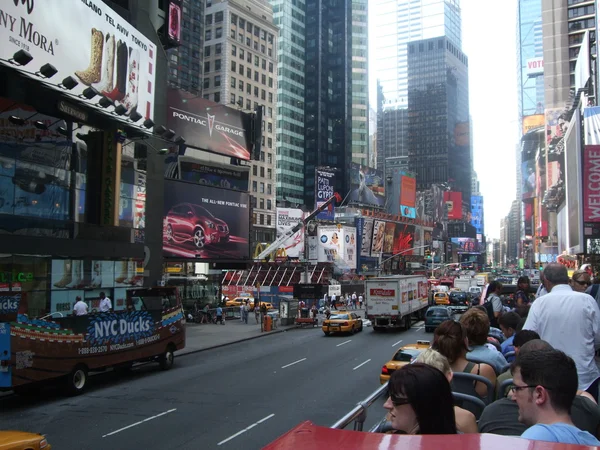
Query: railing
358, 414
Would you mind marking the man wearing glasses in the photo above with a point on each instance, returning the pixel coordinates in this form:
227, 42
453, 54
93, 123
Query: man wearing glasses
544, 386
569, 321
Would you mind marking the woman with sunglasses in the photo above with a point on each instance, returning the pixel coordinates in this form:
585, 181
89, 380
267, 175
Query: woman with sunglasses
580, 281
420, 401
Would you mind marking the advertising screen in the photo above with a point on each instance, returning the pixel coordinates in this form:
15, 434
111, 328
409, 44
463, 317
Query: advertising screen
378, 238
367, 236
214, 176
388, 240
528, 179
174, 25
439, 204
556, 126
408, 195
324, 190
205, 223
477, 213
366, 186
331, 244
467, 245
404, 237
287, 218
454, 205
349, 248
591, 183
98, 48
208, 125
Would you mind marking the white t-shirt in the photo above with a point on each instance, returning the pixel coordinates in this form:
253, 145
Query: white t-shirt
80, 308
360, 298
105, 305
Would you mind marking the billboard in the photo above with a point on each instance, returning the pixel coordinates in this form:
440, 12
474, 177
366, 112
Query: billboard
213, 175
288, 218
349, 254
324, 190
378, 238
528, 179
367, 236
366, 185
208, 125
99, 49
404, 236
535, 67
205, 223
439, 204
557, 122
453, 205
477, 213
337, 244
532, 122
591, 183
467, 245
388, 239
408, 195
174, 22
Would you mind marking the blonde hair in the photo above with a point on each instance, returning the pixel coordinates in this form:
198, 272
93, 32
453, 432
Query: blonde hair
435, 359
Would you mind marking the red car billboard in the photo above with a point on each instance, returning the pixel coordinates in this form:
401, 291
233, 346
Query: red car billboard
209, 126
205, 223
454, 205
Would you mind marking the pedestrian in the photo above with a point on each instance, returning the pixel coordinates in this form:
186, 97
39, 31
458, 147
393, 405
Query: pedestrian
80, 308
242, 312
360, 300
256, 313
568, 321
314, 311
219, 313
105, 303
354, 299
333, 301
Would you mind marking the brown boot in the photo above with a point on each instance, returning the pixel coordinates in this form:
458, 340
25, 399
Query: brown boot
124, 274
92, 73
67, 278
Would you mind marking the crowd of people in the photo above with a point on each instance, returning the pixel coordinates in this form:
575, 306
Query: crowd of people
539, 380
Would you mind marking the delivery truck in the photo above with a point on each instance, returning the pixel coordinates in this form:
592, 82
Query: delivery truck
392, 302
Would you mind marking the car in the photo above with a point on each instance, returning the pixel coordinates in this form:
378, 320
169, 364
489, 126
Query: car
188, 222
17, 440
342, 322
436, 315
459, 301
237, 301
403, 356
441, 298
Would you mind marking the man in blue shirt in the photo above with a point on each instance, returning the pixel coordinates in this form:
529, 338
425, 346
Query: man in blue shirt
508, 324
544, 386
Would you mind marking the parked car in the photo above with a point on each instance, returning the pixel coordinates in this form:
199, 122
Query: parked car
188, 222
436, 315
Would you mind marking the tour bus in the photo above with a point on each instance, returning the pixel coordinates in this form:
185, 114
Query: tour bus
34, 351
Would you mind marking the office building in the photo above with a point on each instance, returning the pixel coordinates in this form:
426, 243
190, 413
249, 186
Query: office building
240, 70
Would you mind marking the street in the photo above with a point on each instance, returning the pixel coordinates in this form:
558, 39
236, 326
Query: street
239, 396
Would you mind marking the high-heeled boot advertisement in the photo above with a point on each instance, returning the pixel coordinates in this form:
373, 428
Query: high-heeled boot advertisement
93, 73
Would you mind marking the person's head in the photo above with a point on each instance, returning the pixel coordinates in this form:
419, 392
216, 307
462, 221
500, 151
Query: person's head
435, 359
102, 295
523, 337
420, 401
523, 282
521, 324
580, 280
555, 274
495, 287
450, 340
508, 323
477, 324
544, 384
77, 299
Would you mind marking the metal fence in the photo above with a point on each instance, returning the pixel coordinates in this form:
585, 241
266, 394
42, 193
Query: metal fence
358, 414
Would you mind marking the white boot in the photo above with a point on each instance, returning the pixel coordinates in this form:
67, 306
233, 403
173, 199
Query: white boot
77, 274
108, 65
133, 80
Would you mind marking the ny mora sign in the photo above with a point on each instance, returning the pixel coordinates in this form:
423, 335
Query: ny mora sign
86, 40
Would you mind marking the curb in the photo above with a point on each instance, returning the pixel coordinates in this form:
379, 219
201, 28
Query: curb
180, 355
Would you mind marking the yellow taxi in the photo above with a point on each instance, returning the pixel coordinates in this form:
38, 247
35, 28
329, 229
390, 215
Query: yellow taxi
237, 301
403, 356
342, 322
20, 440
441, 298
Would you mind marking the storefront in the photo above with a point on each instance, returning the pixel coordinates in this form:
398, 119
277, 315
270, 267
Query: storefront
195, 282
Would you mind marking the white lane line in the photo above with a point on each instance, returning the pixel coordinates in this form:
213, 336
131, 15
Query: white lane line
362, 364
419, 324
295, 362
393, 345
139, 423
339, 345
233, 436
418, 329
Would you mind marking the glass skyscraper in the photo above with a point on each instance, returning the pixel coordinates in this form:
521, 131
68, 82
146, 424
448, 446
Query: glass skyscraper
529, 49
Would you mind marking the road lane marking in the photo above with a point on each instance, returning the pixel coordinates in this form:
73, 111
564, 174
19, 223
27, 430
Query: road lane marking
140, 422
233, 436
418, 329
419, 324
295, 362
393, 345
362, 364
339, 345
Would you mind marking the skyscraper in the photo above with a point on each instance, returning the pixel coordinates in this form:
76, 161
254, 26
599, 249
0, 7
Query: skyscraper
438, 108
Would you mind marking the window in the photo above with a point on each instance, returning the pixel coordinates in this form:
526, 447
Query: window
262, 156
208, 19
206, 83
248, 42
232, 99
270, 40
219, 16
249, 57
217, 97
256, 61
270, 82
263, 79
256, 31
263, 95
256, 76
248, 88
241, 70
241, 86
270, 97
269, 203
261, 203
207, 50
249, 27
270, 176
242, 23
233, 81
262, 188
254, 170
269, 52
234, 19
254, 184
255, 45
240, 101
249, 72
269, 112
269, 189
233, 66
263, 34
270, 158
219, 33
232, 34
241, 38
262, 219
262, 172
207, 67
271, 67
217, 81
270, 127
264, 64
218, 49
255, 91
269, 142
262, 49
217, 65
268, 220
233, 50
248, 104
242, 54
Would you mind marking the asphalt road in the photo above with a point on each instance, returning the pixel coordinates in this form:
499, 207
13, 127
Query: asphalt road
241, 396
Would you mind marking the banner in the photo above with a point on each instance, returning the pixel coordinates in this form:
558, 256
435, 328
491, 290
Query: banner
288, 218
591, 183
349, 248
331, 244
454, 205
408, 194
388, 240
557, 124
367, 236
591, 125
378, 237
205, 223
324, 190
532, 122
477, 213
89, 42
366, 185
208, 125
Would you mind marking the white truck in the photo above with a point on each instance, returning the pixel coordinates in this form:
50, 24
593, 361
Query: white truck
464, 283
393, 301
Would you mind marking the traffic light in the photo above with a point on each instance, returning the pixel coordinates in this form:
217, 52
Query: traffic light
427, 253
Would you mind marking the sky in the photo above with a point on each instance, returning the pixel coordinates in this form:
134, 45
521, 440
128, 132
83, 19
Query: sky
489, 41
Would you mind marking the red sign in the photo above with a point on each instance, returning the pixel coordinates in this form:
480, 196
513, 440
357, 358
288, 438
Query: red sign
454, 205
591, 183
408, 191
383, 292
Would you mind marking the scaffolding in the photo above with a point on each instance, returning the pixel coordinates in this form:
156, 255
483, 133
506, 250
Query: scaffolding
277, 274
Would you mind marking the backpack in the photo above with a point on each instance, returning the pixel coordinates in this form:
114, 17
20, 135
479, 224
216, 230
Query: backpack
489, 309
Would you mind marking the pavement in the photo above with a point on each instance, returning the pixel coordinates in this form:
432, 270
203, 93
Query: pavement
240, 396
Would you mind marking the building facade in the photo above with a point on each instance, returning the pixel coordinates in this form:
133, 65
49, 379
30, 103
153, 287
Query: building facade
240, 70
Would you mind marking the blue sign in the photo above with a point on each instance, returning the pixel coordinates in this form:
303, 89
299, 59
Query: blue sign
9, 303
116, 328
477, 213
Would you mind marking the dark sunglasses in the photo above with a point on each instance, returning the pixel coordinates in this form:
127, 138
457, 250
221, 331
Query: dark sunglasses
583, 283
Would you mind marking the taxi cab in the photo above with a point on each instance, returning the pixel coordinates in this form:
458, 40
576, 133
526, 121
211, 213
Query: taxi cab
238, 301
17, 440
342, 322
403, 356
441, 298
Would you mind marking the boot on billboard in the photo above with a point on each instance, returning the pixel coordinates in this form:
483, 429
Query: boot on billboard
96, 275
77, 274
92, 73
120, 87
133, 78
66, 279
108, 65
123, 276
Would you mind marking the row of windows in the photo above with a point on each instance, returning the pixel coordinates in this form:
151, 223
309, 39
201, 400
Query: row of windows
262, 173
260, 187
581, 11
263, 77
234, 52
261, 218
249, 43
250, 28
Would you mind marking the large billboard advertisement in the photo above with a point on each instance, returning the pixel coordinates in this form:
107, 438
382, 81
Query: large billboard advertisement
467, 245
454, 205
404, 237
557, 122
439, 204
378, 238
367, 236
208, 125
591, 183
337, 245
324, 190
214, 175
349, 254
388, 240
288, 218
98, 48
477, 213
408, 195
528, 180
532, 122
205, 223
366, 186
